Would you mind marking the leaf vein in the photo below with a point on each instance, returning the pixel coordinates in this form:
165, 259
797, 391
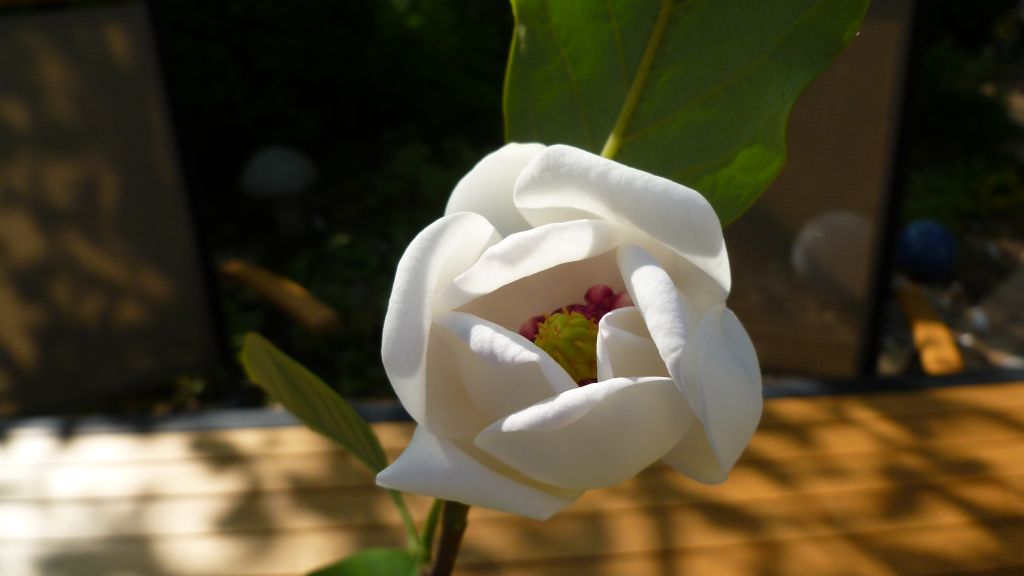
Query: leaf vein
740, 74
618, 42
573, 82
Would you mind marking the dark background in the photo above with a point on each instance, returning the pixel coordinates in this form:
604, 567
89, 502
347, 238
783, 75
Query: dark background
394, 101
391, 102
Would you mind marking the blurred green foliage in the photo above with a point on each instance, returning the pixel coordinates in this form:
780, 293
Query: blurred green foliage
964, 150
392, 101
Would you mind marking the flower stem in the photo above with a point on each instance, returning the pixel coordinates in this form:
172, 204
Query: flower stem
453, 525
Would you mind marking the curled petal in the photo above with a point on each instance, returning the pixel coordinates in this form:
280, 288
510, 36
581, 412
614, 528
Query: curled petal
438, 254
564, 183
441, 468
694, 457
528, 253
671, 320
487, 188
514, 303
730, 379
501, 371
592, 436
625, 348
448, 410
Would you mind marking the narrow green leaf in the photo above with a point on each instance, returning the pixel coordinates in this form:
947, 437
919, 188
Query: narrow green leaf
698, 91
310, 400
373, 562
320, 408
429, 529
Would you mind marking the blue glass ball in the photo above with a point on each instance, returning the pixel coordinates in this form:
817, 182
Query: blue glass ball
926, 251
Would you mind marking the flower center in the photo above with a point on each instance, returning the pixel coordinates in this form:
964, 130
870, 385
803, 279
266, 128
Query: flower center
569, 334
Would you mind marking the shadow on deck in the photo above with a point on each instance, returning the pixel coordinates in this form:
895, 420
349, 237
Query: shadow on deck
921, 482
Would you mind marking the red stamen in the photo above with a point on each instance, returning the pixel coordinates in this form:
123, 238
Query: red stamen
530, 328
600, 299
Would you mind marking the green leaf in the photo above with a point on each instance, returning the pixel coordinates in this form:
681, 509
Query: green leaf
320, 408
310, 400
698, 91
430, 528
373, 562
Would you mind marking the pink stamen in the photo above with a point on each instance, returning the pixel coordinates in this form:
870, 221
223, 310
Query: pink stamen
621, 300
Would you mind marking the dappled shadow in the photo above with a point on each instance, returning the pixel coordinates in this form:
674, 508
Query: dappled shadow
226, 501
914, 482
917, 482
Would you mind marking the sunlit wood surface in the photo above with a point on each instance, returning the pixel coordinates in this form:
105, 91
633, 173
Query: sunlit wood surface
925, 482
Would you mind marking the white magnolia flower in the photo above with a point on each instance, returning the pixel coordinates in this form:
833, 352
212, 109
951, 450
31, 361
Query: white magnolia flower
513, 340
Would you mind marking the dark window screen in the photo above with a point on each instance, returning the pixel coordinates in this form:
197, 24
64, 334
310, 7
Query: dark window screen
100, 282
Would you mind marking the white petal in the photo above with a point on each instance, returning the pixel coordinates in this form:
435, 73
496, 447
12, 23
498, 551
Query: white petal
528, 253
438, 254
440, 468
670, 319
731, 381
593, 436
487, 188
564, 183
501, 371
625, 348
694, 457
546, 291
448, 411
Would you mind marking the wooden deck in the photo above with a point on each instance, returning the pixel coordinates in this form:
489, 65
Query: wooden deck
925, 482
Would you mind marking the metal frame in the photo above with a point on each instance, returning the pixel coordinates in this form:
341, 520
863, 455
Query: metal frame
884, 248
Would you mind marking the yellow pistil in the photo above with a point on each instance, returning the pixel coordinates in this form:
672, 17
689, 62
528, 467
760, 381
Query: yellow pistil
571, 339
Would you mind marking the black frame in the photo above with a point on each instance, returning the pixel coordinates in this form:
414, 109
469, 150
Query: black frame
884, 248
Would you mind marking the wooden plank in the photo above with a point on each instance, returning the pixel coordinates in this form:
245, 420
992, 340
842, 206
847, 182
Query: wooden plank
218, 467
33, 447
971, 548
661, 489
993, 406
610, 547
796, 410
839, 485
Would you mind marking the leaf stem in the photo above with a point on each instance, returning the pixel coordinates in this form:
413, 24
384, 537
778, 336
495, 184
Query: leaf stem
412, 535
611, 146
453, 526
